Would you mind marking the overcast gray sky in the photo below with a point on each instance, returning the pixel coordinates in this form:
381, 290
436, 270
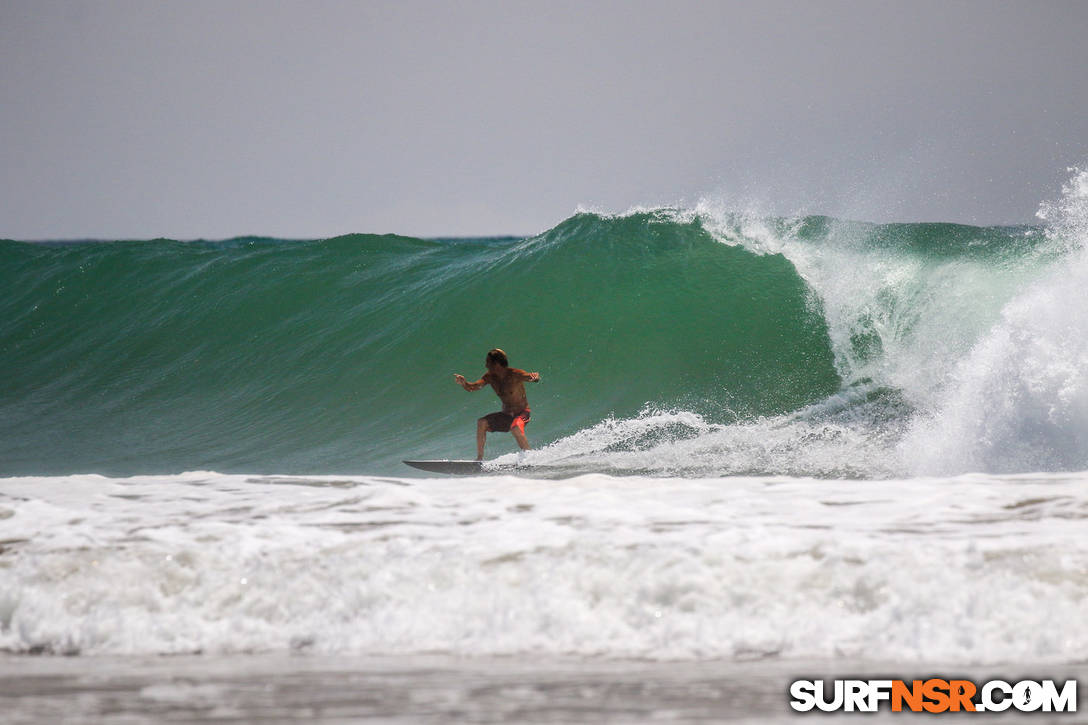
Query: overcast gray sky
211, 119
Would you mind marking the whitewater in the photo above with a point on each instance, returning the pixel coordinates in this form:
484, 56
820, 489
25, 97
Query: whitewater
974, 569
757, 439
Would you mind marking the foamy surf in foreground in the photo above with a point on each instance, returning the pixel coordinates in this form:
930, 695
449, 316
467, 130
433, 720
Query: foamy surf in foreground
974, 569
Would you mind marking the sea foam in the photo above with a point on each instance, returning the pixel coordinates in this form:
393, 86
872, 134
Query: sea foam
970, 569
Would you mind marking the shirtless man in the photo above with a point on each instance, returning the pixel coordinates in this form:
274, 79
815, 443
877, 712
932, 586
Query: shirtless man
509, 385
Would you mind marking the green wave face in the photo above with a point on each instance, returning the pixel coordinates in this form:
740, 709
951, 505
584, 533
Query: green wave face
732, 341
338, 355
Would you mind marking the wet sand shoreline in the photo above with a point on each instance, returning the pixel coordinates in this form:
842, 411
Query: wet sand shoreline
283, 688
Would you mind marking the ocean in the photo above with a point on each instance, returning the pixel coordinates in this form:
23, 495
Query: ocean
761, 444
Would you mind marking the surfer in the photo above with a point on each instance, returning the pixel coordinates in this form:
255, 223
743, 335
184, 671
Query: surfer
509, 384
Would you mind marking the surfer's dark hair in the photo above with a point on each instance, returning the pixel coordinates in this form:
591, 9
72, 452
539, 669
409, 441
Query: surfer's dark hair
496, 355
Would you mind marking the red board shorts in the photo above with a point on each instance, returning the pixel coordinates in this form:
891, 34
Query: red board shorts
502, 422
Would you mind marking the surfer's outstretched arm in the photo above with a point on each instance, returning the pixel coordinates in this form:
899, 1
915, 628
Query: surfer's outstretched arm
470, 387
524, 376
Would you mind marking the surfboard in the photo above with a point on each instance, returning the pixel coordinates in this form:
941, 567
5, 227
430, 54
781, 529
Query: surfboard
459, 468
